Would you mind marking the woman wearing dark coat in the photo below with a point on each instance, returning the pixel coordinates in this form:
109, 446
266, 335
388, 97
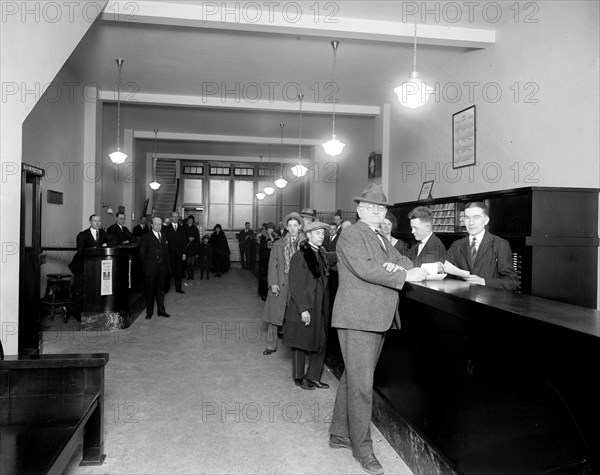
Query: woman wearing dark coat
220, 249
307, 314
192, 243
267, 237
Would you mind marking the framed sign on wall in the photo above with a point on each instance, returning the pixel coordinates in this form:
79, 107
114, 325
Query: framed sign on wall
463, 138
374, 165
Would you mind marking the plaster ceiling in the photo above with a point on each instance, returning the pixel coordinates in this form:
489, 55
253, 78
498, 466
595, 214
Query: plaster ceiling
167, 52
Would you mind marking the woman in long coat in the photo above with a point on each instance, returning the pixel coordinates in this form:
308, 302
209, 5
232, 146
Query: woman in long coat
220, 249
307, 334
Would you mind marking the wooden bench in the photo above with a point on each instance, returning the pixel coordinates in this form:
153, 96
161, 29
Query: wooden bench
49, 404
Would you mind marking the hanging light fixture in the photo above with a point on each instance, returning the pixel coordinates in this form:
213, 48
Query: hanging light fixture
154, 185
281, 182
260, 195
334, 147
414, 92
118, 157
269, 190
300, 170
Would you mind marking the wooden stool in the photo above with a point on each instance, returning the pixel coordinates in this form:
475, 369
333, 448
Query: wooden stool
58, 293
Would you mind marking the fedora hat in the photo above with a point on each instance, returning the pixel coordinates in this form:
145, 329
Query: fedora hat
308, 213
315, 225
292, 215
373, 194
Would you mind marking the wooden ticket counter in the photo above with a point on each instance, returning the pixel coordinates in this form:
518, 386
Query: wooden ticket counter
108, 282
486, 381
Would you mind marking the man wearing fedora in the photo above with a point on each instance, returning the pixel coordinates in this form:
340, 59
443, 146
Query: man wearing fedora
308, 216
307, 314
279, 268
370, 276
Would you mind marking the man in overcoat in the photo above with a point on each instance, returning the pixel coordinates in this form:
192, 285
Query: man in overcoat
365, 305
307, 314
154, 253
175, 234
279, 267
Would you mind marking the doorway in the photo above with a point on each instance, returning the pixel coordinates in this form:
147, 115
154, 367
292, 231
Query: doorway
30, 259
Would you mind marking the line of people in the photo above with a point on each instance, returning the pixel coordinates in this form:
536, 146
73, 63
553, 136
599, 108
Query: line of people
371, 266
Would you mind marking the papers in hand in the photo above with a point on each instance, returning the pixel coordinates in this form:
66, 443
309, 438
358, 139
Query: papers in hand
432, 269
452, 269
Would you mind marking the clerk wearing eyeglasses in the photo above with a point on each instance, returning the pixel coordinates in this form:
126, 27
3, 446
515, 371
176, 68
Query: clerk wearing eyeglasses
487, 257
370, 274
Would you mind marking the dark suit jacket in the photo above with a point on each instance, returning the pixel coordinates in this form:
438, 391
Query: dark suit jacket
367, 296
140, 230
493, 261
155, 254
433, 251
116, 235
177, 240
85, 240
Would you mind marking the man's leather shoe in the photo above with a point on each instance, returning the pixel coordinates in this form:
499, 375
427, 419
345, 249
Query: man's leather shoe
148, 317
318, 384
166, 315
268, 352
304, 384
370, 464
180, 291
336, 442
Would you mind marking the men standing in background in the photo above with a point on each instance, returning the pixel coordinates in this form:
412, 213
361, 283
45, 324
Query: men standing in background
142, 228
154, 252
364, 309
118, 233
429, 249
94, 236
279, 267
488, 258
177, 243
245, 238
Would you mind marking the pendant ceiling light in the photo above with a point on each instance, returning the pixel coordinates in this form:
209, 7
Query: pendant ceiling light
414, 92
118, 157
269, 190
154, 185
260, 195
334, 147
300, 170
281, 182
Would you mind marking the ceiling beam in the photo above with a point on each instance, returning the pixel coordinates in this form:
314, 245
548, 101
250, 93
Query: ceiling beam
236, 103
178, 136
291, 20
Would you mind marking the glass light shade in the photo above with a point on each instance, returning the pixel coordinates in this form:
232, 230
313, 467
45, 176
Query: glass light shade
155, 185
333, 147
269, 190
299, 170
280, 182
117, 157
414, 92
260, 195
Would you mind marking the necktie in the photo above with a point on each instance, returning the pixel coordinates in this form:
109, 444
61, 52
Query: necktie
95, 235
159, 237
175, 227
380, 237
473, 248
421, 245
